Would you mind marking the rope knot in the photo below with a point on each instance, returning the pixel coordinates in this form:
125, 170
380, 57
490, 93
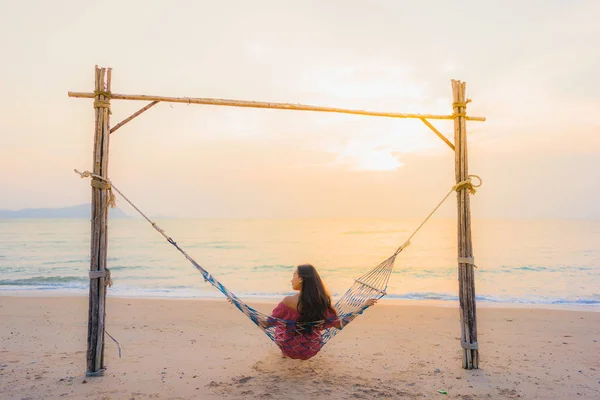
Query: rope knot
102, 103
84, 174
467, 184
104, 93
458, 104
110, 201
100, 183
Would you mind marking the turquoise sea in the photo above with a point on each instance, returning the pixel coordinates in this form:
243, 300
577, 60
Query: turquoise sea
551, 262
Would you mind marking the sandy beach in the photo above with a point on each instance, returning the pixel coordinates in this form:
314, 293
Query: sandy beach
206, 349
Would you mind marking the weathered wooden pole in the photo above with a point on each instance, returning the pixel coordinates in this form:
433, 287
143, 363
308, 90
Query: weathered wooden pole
99, 274
466, 276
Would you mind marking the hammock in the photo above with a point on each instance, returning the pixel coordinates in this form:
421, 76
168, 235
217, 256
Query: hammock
295, 339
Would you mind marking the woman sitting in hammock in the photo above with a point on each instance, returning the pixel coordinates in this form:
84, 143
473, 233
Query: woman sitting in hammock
312, 303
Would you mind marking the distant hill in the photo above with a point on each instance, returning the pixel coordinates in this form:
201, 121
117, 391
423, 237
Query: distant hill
80, 211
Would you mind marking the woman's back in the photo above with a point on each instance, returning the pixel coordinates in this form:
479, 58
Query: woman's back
300, 319
292, 301
294, 340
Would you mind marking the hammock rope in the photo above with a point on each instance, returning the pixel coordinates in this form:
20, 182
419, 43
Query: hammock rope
301, 340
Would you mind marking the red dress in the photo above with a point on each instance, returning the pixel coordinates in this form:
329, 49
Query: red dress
293, 344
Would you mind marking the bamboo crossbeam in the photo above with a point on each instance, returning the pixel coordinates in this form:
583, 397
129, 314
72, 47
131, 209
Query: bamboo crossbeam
132, 116
438, 133
260, 104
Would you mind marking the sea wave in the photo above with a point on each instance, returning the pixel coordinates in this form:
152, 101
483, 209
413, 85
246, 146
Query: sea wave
277, 267
44, 281
507, 269
55, 262
129, 267
75, 283
595, 299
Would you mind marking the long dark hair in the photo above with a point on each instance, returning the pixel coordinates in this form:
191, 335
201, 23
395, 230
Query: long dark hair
314, 300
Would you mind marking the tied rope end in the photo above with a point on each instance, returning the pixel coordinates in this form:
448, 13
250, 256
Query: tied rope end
468, 184
85, 174
107, 280
104, 273
112, 201
100, 183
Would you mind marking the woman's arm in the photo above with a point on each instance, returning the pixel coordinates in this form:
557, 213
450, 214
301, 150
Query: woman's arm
341, 322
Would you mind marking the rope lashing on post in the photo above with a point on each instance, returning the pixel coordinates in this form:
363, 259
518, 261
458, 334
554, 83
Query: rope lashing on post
100, 183
458, 104
467, 184
470, 346
466, 260
102, 103
110, 202
100, 372
461, 103
102, 274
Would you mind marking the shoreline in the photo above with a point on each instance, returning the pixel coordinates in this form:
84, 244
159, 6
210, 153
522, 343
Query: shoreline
481, 304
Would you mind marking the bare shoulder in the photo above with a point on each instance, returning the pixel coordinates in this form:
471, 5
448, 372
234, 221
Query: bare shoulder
291, 301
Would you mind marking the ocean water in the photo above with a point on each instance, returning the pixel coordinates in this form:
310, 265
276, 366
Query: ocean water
555, 262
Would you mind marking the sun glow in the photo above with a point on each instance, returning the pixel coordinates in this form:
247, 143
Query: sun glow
361, 158
381, 147
377, 160
367, 144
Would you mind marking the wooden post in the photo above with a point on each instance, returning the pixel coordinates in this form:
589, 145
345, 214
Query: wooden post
466, 278
99, 218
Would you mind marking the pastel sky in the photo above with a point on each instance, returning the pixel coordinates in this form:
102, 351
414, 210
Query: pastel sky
531, 68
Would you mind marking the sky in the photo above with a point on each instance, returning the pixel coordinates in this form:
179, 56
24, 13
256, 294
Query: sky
531, 69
